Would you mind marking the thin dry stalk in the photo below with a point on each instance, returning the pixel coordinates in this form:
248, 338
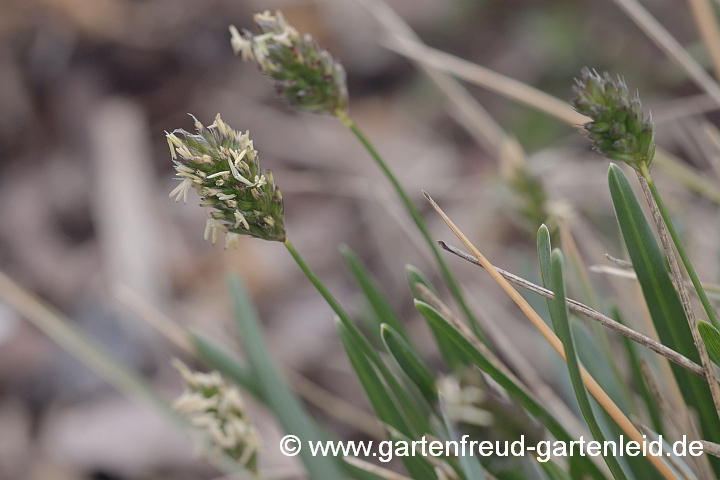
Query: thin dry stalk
590, 383
682, 291
430, 58
474, 118
669, 413
713, 288
576, 306
671, 458
173, 332
479, 75
711, 448
663, 39
336, 406
704, 15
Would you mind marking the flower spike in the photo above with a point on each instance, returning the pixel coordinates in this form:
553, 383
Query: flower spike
619, 129
302, 72
222, 166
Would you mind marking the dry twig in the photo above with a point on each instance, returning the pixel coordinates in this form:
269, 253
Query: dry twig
590, 383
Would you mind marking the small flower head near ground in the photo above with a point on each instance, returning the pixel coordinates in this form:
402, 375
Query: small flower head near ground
303, 73
619, 130
222, 166
218, 409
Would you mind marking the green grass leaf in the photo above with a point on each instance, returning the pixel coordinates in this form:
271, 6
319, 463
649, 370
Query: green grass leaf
228, 365
410, 362
580, 464
382, 399
415, 276
384, 313
544, 253
564, 332
278, 396
553, 471
662, 300
594, 357
471, 467
711, 337
452, 359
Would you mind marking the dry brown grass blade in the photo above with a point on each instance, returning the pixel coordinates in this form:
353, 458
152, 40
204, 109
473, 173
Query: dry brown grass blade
429, 58
578, 307
711, 448
706, 21
493, 81
590, 383
663, 39
472, 116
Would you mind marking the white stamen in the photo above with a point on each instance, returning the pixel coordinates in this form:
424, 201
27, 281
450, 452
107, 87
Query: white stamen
181, 191
240, 218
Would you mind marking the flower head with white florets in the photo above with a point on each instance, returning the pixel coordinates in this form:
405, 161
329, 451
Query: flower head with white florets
219, 410
302, 72
222, 166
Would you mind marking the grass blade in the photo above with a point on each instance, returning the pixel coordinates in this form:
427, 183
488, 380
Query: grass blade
384, 313
562, 327
593, 357
470, 465
662, 300
514, 388
453, 360
381, 399
409, 362
228, 365
275, 390
711, 337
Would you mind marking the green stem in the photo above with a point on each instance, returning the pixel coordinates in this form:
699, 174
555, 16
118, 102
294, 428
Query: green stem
409, 408
681, 249
417, 218
319, 285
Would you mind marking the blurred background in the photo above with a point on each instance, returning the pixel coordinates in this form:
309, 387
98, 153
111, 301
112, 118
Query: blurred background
87, 90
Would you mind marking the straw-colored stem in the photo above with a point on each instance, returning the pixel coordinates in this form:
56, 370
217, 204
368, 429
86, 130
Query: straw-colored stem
539, 100
711, 448
706, 20
663, 39
484, 77
583, 309
450, 280
462, 105
590, 383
